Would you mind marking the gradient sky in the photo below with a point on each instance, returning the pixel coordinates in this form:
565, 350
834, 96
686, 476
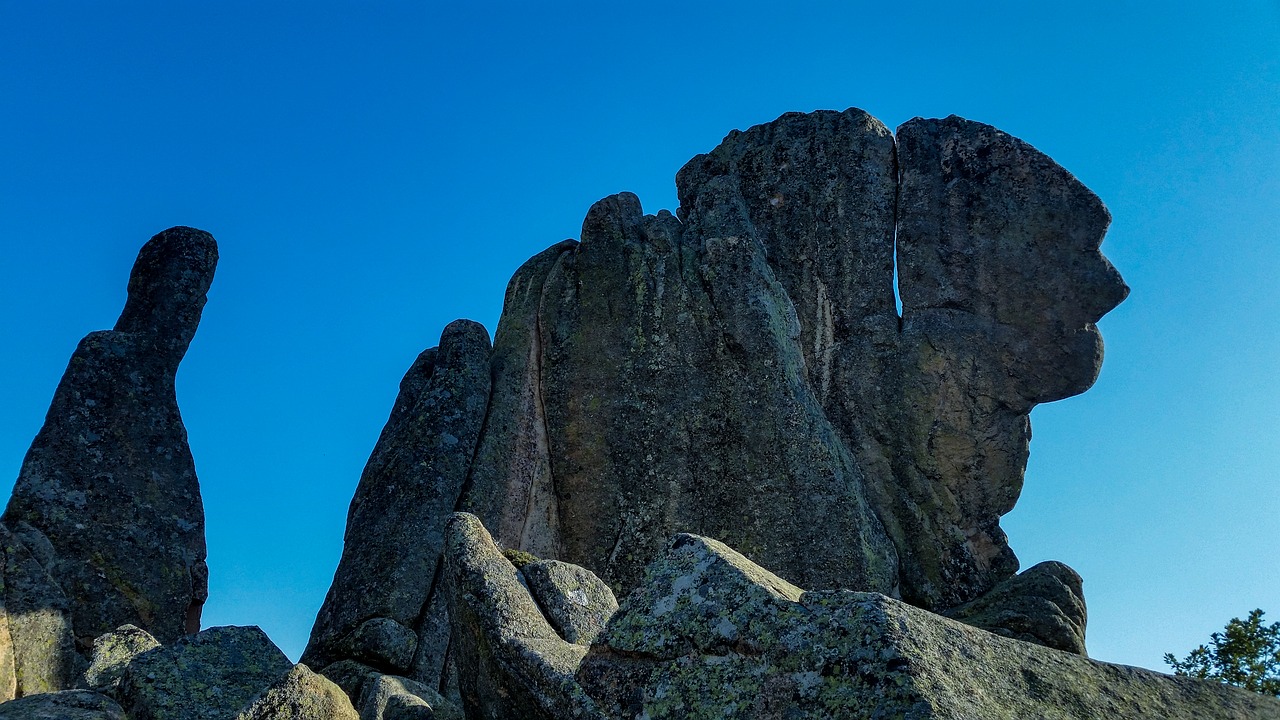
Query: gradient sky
374, 170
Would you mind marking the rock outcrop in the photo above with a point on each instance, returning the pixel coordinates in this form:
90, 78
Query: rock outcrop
105, 526
708, 634
378, 611
62, 705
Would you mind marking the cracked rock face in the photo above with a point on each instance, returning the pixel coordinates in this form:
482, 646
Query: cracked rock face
740, 369
109, 481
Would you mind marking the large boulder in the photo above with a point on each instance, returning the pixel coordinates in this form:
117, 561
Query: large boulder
512, 665
381, 610
109, 480
112, 654
576, 602
209, 676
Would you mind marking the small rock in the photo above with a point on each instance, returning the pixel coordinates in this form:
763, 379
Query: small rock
112, 654
395, 698
64, 705
1043, 605
577, 603
301, 695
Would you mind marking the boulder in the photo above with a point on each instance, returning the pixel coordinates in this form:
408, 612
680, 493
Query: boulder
382, 609
351, 676
112, 654
387, 697
214, 674
301, 695
62, 705
512, 665
576, 602
711, 635
1043, 605
109, 479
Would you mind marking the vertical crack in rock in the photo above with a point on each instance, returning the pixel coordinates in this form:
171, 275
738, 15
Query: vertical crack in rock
106, 521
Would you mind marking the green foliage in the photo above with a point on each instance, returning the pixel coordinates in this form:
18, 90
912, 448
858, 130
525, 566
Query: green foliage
519, 558
1246, 654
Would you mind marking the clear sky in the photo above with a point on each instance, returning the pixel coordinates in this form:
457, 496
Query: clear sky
374, 170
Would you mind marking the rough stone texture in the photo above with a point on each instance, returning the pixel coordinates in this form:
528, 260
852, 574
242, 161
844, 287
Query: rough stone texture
301, 695
214, 674
380, 609
351, 676
64, 705
666, 360
112, 654
109, 479
1001, 284
388, 697
742, 371
37, 646
711, 635
1043, 605
576, 602
512, 665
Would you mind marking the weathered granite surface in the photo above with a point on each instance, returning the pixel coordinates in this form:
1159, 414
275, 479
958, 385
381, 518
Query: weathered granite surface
212, 675
573, 599
37, 645
740, 369
63, 705
301, 695
109, 481
112, 654
511, 663
377, 611
387, 697
708, 634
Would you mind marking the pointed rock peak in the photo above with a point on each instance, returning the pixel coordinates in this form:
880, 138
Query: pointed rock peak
168, 285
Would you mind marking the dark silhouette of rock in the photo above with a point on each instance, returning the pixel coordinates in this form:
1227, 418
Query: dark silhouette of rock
377, 611
109, 479
742, 371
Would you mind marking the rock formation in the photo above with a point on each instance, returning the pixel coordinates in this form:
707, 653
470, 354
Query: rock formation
376, 612
741, 370
710, 635
105, 526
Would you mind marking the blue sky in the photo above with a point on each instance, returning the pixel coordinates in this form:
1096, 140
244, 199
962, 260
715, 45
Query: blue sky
374, 170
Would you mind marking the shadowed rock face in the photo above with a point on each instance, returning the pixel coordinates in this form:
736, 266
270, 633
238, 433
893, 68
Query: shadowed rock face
109, 481
377, 610
742, 371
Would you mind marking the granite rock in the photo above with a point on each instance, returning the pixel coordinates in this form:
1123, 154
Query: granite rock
387, 697
109, 480
1043, 605
576, 602
37, 645
512, 665
709, 634
63, 705
112, 654
211, 675
301, 695
382, 608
